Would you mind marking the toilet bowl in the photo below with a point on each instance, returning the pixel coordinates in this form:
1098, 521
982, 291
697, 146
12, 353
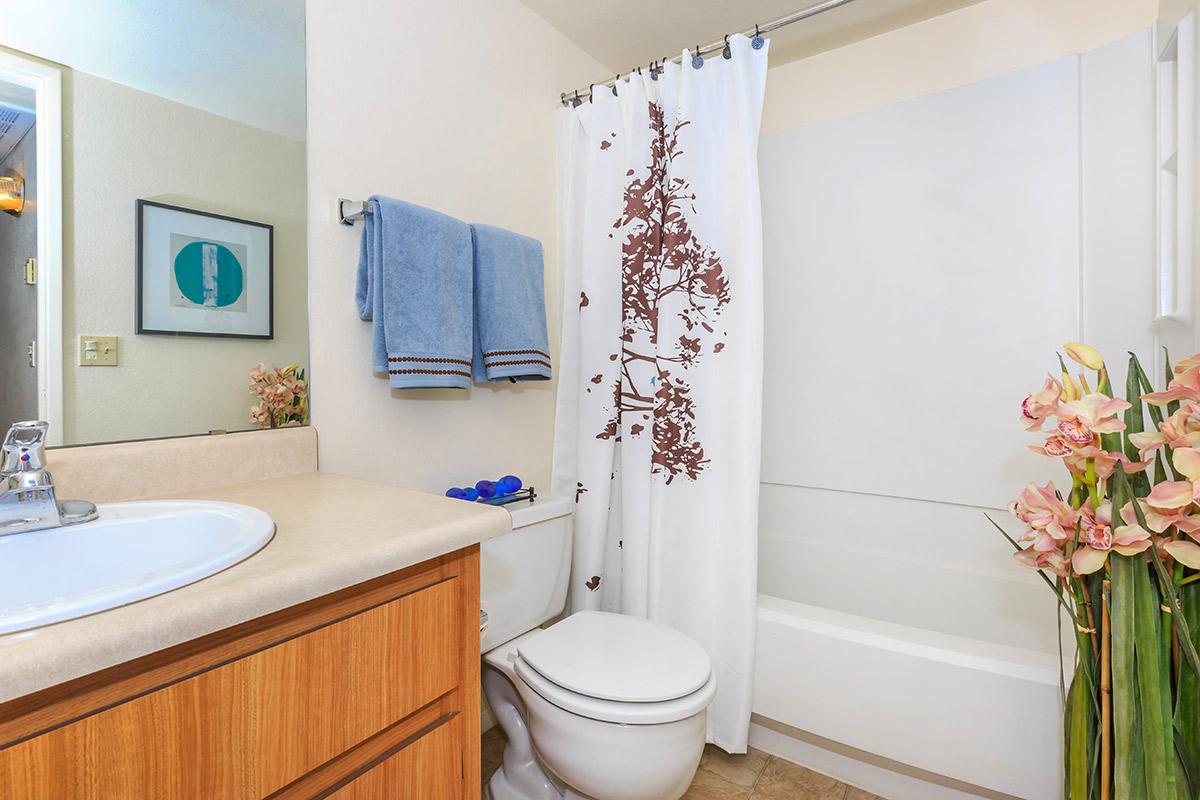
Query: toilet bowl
598, 706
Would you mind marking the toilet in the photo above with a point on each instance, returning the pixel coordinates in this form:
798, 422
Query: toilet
597, 706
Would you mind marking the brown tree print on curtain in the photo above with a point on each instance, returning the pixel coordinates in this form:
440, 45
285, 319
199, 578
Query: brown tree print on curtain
665, 270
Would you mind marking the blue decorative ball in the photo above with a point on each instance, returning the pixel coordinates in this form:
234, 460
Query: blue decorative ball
456, 493
697, 62
472, 493
757, 42
487, 489
509, 484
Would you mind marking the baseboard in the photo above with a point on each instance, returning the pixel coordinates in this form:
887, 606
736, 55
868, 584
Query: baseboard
881, 776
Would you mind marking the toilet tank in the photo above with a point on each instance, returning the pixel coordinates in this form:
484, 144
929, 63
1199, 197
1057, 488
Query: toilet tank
523, 574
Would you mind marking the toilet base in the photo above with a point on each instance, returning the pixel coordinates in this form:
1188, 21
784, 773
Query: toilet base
498, 788
519, 776
555, 754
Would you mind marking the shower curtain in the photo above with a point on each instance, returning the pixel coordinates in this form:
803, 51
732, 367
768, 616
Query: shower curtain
660, 378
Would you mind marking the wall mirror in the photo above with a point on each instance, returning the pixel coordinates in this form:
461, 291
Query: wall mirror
152, 253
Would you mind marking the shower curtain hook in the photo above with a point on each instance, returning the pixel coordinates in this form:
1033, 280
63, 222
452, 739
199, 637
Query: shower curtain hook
757, 41
727, 53
577, 102
591, 92
616, 80
697, 61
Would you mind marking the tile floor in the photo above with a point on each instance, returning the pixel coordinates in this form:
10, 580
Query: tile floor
755, 776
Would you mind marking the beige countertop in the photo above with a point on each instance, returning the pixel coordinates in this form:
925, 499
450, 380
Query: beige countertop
331, 532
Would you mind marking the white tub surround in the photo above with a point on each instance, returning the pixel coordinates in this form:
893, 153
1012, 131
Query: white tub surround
969, 710
894, 622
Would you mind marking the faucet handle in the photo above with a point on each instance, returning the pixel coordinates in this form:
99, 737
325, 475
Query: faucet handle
24, 448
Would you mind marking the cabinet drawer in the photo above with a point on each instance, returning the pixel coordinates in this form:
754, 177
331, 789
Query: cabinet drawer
247, 728
431, 767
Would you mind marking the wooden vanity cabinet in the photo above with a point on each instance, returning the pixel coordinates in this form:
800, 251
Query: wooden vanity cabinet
369, 692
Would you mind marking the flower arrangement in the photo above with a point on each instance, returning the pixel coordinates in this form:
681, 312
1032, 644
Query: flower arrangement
282, 396
1119, 550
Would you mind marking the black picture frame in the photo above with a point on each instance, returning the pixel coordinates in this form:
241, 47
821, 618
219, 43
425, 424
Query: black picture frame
140, 329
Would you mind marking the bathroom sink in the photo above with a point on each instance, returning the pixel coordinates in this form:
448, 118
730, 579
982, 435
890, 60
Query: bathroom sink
133, 551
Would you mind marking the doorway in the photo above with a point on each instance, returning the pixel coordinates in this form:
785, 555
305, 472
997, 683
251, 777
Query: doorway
30, 243
18, 254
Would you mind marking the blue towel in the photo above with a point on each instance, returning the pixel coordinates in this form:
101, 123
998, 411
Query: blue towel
414, 284
510, 310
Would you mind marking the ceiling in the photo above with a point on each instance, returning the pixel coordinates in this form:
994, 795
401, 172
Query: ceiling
241, 59
621, 34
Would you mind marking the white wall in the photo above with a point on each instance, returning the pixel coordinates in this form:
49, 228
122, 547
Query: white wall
971, 44
121, 144
448, 105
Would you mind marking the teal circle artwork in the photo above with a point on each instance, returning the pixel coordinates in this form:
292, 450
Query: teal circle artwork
209, 274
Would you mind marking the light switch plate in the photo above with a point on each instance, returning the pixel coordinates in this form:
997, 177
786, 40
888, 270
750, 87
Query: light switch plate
97, 351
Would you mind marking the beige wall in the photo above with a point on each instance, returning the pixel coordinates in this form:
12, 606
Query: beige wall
120, 145
971, 44
449, 105
461, 121
1171, 11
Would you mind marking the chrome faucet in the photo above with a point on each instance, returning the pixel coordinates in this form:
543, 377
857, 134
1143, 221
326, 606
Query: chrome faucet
27, 498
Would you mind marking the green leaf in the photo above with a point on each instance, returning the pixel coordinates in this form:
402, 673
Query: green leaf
1156, 415
1186, 641
1128, 758
1173, 406
1187, 700
1134, 423
1154, 686
1079, 734
1134, 420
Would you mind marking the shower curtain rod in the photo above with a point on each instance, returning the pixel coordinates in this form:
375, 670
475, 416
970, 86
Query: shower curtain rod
827, 5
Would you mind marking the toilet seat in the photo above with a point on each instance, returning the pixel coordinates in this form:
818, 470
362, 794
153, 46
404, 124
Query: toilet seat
618, 657
617, 668
623, 712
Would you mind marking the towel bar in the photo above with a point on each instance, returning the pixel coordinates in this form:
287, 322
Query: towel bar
359, 207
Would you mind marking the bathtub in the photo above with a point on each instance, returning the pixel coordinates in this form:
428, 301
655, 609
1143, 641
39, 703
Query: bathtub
902, 632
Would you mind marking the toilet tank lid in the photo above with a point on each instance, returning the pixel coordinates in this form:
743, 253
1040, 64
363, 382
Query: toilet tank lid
618, 657
540, 510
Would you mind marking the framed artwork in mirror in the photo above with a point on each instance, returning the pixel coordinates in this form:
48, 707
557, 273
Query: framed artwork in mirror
203, 274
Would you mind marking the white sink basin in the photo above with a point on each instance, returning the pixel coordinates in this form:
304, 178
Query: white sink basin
133, 551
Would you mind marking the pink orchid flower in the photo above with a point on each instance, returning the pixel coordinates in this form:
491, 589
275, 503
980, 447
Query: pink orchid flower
1156, 520
1185, 552
1187, 464
260, 414
1105, 463
1184, 387
1189, 525
1040, 405
1098, 539
1171, 495
1050, 519
1181, 429
1055, 447
1053, 560
1080, 420
1187, 363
